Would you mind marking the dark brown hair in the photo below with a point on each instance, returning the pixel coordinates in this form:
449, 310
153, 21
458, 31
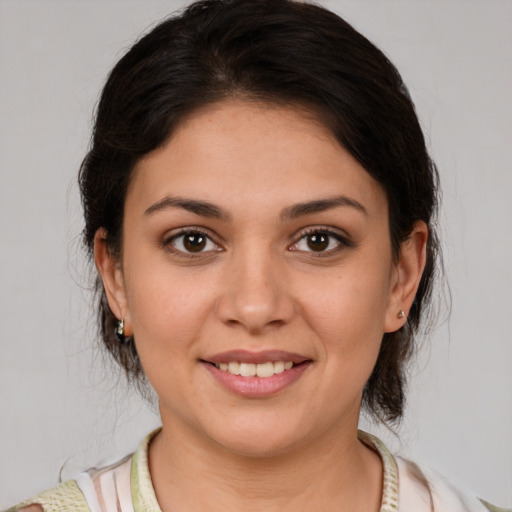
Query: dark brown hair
287, 53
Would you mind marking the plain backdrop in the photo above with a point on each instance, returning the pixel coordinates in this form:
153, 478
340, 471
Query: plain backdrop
63, 408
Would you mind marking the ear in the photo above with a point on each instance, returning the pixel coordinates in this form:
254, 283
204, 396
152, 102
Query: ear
407, 276
109, 268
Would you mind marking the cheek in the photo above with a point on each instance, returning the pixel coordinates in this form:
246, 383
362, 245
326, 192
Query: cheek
347, 313
167, 312
167, 324
351, 302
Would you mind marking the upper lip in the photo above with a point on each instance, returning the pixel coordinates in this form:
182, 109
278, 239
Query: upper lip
246, 356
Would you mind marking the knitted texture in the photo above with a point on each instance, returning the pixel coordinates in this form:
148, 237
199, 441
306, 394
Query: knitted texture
143, 493
66, 497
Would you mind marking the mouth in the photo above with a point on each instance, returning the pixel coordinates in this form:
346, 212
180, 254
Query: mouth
256, 374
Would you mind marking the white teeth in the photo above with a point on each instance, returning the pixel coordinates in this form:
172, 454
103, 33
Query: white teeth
234, 368
278, 367
252, 370
265, 369
247, 369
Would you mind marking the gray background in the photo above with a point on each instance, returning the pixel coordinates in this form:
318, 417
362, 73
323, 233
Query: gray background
61, 405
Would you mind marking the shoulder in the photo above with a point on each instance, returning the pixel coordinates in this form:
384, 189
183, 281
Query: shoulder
423, 489
113, 488
98, 490
409, 487
65, 496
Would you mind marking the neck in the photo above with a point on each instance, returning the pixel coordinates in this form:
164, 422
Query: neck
337, 472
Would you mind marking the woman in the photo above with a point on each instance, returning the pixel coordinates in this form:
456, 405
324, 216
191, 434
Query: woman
260, 206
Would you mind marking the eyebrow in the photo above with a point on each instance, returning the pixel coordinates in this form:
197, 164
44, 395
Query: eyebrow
203, 208
321, 205
207, 209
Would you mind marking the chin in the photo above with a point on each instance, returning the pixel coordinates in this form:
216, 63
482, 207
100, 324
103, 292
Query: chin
259, 438
263, 448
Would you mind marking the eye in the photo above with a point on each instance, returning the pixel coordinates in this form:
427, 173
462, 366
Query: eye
192, 242
320, 241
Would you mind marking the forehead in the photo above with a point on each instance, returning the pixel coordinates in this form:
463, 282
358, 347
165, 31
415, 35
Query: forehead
246, 150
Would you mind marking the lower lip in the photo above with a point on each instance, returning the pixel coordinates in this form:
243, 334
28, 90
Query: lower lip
257, 387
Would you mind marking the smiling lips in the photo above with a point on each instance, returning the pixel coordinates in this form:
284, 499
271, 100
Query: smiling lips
256, 374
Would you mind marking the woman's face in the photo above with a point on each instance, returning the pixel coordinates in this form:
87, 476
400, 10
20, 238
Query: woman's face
252, 242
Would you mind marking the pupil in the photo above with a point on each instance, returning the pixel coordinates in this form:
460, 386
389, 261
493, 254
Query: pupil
318, 242
194, 242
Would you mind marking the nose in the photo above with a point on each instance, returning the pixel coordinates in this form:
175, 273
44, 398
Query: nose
257, 296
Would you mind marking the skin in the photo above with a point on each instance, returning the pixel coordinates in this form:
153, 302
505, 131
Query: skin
259, 285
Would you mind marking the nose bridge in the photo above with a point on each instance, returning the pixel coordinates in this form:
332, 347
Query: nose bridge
256, 295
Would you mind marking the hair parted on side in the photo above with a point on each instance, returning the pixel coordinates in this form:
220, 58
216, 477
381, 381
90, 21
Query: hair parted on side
281, 52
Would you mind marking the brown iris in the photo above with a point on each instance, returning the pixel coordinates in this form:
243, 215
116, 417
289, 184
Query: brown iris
194, 242
318, 241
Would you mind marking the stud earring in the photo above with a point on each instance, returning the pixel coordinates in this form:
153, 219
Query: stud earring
401, 314
119, 331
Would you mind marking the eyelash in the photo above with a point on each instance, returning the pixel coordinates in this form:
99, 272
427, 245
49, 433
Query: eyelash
342, 242
169, 241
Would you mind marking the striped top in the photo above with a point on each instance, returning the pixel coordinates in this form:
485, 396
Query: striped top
126, 487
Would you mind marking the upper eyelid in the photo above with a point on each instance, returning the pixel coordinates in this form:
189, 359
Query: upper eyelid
342, 238
176, 232
338, 233
330, 230
168, 240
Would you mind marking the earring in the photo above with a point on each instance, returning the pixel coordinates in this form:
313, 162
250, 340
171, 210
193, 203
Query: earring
119, 331
401, 314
